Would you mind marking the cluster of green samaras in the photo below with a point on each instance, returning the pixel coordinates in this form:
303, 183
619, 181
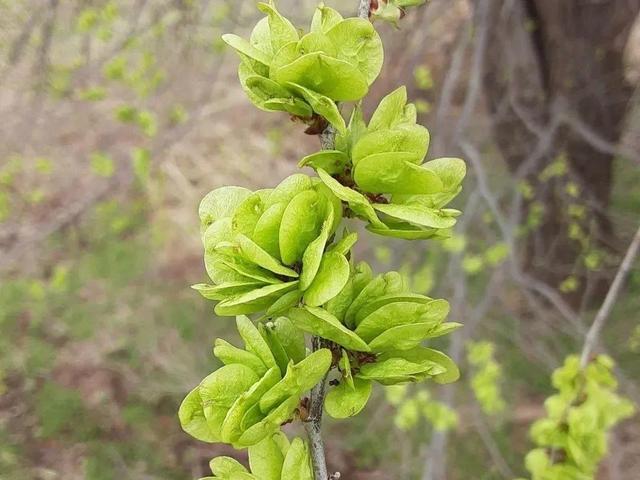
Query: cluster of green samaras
275, 458
376, 168
282, 255
485, 380
411, 407
572, 439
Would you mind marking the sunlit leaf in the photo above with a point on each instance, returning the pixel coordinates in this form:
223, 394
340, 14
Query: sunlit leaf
320, 322
332, 276
344, 401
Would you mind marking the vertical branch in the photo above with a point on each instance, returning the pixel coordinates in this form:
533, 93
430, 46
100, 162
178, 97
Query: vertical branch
610, 299
313, 425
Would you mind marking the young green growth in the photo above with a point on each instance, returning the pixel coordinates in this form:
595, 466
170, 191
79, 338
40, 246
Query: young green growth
281, 255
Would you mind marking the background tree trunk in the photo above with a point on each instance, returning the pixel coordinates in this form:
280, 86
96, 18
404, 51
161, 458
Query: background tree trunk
548, 61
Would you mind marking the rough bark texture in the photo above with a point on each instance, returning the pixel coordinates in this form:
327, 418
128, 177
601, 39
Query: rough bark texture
547, 59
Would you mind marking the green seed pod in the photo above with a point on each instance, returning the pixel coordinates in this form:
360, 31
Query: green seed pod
250, 396
267, 250
378, 170
381, 328
305, 75
273, 458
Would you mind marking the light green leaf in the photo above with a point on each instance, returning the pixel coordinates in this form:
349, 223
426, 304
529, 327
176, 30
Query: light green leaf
277, 350
284, 303
451, 373
289, 188
332, 276
266, 459
300, 225
357, 202
450, 170
246, 70
322, 105
225, 385
328, 76
320, 322
246, 271
240, 410
242, 476
409, 232
269, 424
255, 300
339, 304
297, 463
443, 329
331, 161
252, 252
286, 55
227, 289
390, 110
401, 337
299, 378
403, 138
374, 303
253, 341
266, 88
192, 419
391, 368
416, 214
281, 30
246, 49
229, 354
395, 172
218, 232
294, 106
324, 18
224, 466
372, 290
345, 244
345, 368
357, 128
220, 203
358, 43
267, 229
291, 338
344, 401
261, 37
333, 203
316, 42
312, 257
249, 211
389, 316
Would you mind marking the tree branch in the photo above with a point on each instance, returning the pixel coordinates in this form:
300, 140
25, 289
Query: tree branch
363, 8
601, 317
313, 425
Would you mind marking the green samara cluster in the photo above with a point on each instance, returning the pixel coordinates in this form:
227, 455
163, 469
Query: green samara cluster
267, 250
283, 256
377, 170
572, 438
282, 69
258, 388
274, 458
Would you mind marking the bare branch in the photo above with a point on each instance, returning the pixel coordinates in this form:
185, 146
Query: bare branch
601, 317
314, 424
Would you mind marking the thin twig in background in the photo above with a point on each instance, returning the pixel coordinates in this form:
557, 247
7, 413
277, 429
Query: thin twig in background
601, 317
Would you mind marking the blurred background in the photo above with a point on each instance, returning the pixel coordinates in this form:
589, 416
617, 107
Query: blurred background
117, 116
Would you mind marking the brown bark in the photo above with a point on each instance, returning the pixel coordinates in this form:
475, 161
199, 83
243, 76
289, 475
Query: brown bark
546, 57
